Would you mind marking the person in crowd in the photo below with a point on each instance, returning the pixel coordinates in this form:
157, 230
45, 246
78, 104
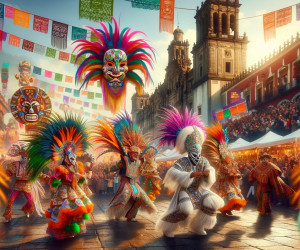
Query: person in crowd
267, 175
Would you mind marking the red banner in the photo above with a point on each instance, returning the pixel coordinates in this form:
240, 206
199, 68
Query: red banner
40, 24
28, 45
269, 26
284, 16
166, 16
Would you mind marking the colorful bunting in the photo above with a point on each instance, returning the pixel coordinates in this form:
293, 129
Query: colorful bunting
298, 12
100, 107
9, 12
51, 52
1, 18
69, 79
66, 99
166, 16
48, 74
60, 89
59, 35
68, 90
39, 49
98, 95
58, 77
269, 26
40, 24
72, 100
146, 4
94, 106
84, 92
37, 70
90, 95
1, 36
233, 110
5, 65
226, 113
21, 18
57, 94
76, 93
283, 16
78, 33
64, 56
220, 115
14, 40
51, 90
79, 102
28, 45
96, 10
242, 108
4, 36
86, 104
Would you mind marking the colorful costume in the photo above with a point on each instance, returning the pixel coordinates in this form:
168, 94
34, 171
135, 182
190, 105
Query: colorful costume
191, 177
123, 137
62, 140
149, 170
216, 151
87, 161
114, 59
267, 176
18, 169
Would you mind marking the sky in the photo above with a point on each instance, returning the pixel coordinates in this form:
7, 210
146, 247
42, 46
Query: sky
67, 11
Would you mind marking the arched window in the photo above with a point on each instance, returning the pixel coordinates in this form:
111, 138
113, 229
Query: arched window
232, 23
216, 23
224, 24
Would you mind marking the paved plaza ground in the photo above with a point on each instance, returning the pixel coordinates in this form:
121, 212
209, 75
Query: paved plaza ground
244, 230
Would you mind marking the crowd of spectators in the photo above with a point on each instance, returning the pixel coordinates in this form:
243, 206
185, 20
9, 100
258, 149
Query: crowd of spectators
281, 120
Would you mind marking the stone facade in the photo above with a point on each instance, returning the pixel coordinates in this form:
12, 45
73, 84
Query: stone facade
176, 90
218, 56
219, 53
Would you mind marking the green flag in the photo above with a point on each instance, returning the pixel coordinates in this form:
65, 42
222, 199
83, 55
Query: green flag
51, 52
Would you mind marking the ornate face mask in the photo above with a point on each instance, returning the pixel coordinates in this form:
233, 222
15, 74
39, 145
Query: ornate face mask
193, 145
70, 156
30, 104
115, 69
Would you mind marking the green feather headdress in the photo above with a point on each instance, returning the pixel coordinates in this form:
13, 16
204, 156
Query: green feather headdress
51, 137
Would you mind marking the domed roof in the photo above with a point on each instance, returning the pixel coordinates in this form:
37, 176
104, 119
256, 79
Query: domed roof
178, 30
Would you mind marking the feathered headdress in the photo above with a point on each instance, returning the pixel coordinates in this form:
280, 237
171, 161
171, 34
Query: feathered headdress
215, 147
121, 135
139, 54
51, 138
176, 128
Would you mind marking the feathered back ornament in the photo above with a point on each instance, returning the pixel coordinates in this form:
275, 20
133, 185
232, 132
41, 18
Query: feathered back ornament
215, 147
114, 60
51, 138
177, 127
120, 135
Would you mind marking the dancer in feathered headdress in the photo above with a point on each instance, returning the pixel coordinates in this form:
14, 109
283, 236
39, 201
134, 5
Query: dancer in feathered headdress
190, 177
149, 171
216, 151
123, 137
31, 191
114, 60
62, 140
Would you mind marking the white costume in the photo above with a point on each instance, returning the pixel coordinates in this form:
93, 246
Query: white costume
191, 193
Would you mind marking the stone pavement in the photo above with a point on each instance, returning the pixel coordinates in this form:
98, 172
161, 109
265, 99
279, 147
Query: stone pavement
244, 230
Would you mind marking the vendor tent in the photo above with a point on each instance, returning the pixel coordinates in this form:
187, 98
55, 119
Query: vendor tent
291, 138
268, 140
238, 143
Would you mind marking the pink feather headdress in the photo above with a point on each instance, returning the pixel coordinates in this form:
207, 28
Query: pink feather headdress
139, 53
